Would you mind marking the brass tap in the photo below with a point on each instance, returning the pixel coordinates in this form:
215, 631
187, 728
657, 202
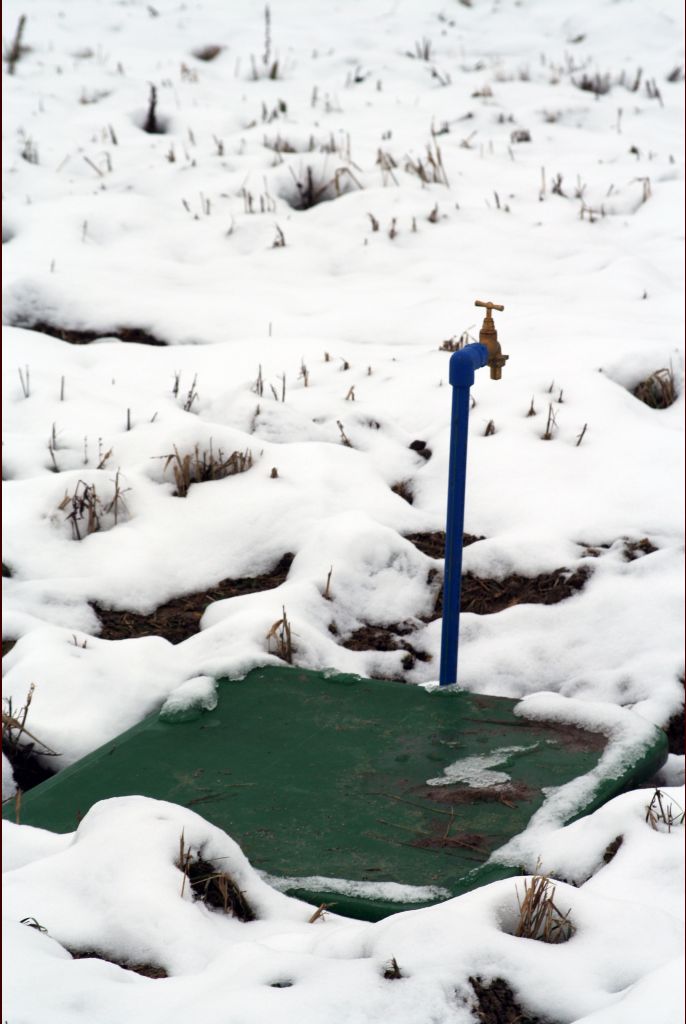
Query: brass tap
488, 336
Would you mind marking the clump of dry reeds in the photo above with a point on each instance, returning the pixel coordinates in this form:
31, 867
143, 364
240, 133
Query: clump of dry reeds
86, 509
551, 425
153, 123
422, 50
200, 466
392, 971
280, 632
597, 83
23, 749
268, 68
214, 888
313, 186
539, 917
14, 725
660, 812
658, 390
320, 913
454, 344
431, 169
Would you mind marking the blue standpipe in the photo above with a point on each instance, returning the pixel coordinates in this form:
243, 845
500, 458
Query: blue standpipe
463, 364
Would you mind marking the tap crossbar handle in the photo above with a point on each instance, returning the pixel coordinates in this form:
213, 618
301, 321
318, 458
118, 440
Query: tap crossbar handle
489, 306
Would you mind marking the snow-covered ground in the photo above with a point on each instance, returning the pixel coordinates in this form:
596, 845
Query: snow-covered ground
462, 159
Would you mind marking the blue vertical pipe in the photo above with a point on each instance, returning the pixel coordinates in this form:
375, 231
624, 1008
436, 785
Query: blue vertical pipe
462, 367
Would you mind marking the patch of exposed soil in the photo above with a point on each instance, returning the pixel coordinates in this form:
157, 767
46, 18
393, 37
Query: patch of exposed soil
631, 550
433, 544
146, 970
30, 766
496, 1004
374, 638
509, 794
207, 53
385, 638
404, 490
218, 890
612, 848
421, 449
135, 334
486, 596
675, 733
482, 596
635, 548
179, 618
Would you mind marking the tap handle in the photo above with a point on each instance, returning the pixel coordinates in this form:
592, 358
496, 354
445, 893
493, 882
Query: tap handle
488, 306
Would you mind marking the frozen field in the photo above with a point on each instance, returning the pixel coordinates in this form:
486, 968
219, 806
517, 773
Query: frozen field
238, 252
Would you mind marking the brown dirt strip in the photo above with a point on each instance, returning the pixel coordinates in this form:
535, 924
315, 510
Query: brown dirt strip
180, 618
133, 334
433, 544
385, 638
486, 596
146, 970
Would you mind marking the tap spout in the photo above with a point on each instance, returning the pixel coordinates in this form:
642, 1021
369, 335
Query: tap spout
488, 336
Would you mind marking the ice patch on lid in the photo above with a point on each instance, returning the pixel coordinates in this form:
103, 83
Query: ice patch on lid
477, 771
394, 892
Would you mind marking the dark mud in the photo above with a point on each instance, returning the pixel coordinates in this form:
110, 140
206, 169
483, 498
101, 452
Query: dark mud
179, 618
